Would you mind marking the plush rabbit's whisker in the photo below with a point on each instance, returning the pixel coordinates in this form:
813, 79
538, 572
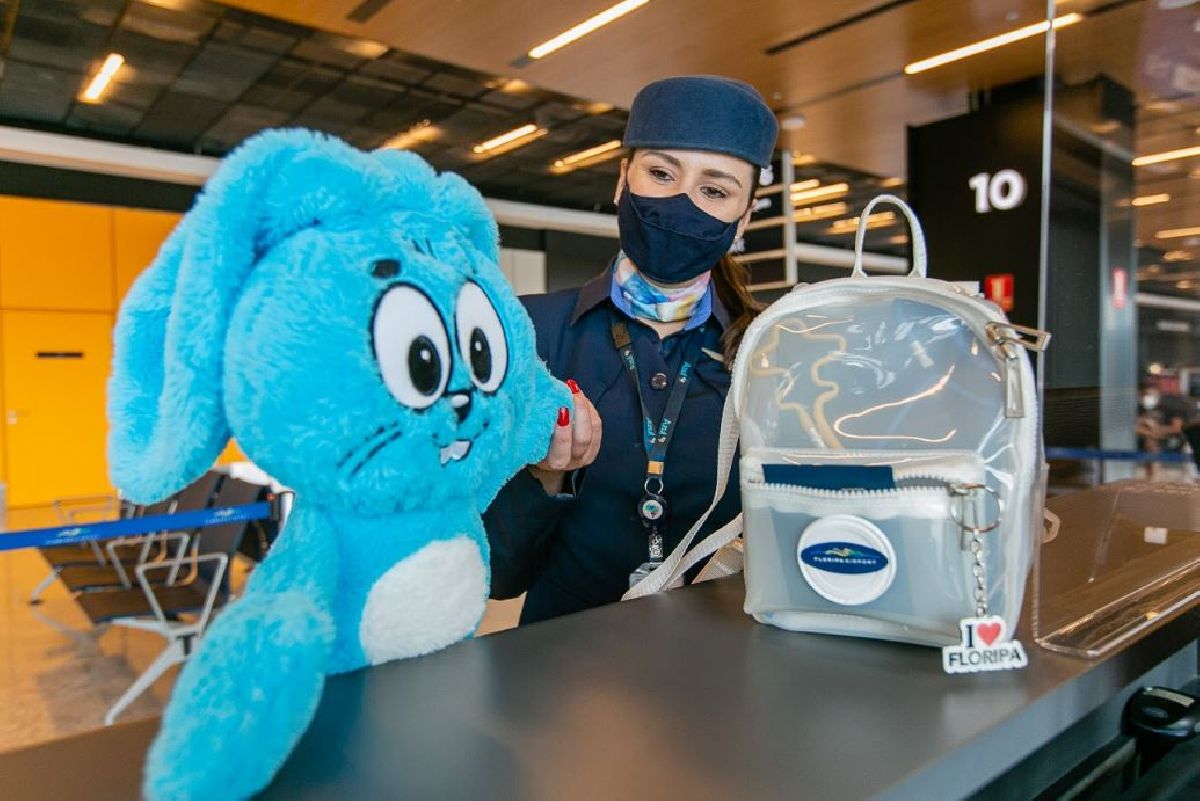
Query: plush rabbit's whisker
367, 440
375, 451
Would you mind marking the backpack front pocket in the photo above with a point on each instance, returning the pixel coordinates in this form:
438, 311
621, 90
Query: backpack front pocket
891, 562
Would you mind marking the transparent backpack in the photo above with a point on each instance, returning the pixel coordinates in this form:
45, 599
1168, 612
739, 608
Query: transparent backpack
891, 466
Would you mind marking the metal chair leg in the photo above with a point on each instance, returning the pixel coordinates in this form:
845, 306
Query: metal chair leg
35, 597
172, 655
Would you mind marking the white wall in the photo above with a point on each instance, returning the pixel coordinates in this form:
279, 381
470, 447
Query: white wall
524, 269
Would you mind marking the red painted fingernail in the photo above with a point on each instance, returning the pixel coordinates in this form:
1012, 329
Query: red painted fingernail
574, 387
564, 416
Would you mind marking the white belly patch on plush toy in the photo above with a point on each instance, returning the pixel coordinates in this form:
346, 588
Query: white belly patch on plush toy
427, 601
343, 316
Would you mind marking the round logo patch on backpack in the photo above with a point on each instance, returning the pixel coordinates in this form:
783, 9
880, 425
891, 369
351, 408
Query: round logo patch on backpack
846, 559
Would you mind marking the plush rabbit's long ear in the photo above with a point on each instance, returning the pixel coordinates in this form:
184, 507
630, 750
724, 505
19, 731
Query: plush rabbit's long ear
464, 208
446, 195
165, 407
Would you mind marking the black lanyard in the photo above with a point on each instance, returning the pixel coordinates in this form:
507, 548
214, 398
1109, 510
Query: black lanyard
656, 438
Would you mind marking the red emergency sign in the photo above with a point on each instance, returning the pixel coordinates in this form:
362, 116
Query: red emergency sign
998, 289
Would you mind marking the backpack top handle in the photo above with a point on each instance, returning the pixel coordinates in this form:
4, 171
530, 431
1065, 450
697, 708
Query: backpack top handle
918, 236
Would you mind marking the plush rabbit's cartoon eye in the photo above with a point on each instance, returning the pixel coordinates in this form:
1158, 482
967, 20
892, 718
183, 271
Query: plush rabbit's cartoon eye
411, 346
481, 338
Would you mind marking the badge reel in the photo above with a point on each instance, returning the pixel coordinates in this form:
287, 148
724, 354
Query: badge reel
652, 509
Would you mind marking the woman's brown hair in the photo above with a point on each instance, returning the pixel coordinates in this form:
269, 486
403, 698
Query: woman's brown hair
731, 280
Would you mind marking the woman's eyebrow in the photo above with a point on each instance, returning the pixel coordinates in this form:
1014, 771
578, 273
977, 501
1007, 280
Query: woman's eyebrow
710, 173
674, 162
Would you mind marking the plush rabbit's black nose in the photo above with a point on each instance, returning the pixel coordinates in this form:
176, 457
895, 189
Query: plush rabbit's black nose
461, 401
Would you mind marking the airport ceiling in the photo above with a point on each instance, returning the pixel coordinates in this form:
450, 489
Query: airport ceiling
204, 75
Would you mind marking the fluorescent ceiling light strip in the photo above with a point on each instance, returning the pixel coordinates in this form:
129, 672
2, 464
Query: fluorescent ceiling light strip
506, 138
1150, 200
796, 187
810, 213
591, 152
584, 28
804, 215
873, 221
820, 193
423, 131
111, 65
992, 43
1170, 155
1178, 233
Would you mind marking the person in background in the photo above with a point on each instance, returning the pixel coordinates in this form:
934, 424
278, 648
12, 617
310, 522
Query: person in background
645, 347
1161, 425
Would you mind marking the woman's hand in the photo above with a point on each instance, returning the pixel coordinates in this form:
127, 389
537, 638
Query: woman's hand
575, 443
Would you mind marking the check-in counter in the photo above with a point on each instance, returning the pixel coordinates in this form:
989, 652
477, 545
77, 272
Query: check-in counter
679, 695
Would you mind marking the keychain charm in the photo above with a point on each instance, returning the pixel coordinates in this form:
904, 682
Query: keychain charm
983, 648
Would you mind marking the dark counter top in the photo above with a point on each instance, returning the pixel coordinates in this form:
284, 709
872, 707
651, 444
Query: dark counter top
673, 696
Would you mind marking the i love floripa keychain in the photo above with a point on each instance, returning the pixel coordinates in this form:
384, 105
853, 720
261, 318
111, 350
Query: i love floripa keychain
985, 645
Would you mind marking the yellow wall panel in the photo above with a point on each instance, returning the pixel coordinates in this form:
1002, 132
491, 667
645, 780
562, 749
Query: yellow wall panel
232, 453
55, 369
55, 255
137, 236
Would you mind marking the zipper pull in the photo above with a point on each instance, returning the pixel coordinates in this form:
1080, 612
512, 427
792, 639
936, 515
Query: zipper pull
1014, 392
1007, 339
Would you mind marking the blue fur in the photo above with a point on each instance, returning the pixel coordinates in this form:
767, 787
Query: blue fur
256, 321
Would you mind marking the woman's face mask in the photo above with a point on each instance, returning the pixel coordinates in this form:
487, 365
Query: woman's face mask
670, 239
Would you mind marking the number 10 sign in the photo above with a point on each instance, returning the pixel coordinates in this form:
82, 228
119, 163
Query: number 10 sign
1002, 191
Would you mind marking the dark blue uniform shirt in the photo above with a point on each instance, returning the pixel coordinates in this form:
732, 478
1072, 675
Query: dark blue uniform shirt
576, 550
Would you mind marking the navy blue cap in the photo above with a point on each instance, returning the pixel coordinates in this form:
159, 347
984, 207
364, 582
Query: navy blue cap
703, 112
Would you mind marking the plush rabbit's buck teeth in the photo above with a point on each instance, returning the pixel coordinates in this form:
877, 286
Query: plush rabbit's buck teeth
455, 450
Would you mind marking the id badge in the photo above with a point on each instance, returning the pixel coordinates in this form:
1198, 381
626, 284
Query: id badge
643, 570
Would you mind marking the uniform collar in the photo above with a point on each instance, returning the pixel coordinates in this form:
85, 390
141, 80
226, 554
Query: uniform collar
597, 291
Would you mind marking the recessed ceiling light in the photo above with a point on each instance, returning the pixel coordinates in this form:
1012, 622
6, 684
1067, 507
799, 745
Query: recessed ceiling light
423, 131
1162, 106
792, 122
819, 193
584, 158
821, 212
574, 34
515, 138
509, 85
112, 64
1178, 233
1150, 200
364, 48
849, 225
1169, 155
991, 43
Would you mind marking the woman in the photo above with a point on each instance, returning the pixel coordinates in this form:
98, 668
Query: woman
645, 347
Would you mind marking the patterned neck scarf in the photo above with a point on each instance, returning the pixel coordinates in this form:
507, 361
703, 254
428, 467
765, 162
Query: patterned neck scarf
638, 296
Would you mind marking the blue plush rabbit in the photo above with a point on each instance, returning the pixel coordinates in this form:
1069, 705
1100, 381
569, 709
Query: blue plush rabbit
343, 316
